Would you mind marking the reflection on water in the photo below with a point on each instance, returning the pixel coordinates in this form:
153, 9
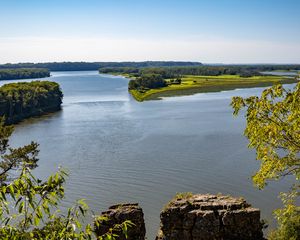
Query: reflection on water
119, 150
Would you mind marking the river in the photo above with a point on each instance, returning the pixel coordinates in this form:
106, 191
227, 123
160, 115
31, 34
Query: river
120, 150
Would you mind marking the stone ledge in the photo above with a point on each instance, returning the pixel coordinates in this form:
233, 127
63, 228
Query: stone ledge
117, 214
206, 217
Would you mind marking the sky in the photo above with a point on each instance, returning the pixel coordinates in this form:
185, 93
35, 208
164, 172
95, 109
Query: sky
209, 31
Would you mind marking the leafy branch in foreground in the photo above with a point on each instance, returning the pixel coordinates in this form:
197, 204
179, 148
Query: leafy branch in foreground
29, 206
273, 130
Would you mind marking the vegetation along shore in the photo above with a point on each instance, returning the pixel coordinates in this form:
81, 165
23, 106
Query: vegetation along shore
154, 83
27, 99
23, 73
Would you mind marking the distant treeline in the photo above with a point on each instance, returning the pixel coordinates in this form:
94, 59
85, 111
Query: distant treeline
85, 66
150, 78
26, 99
134, 67
23, 73
170, 72
203, 70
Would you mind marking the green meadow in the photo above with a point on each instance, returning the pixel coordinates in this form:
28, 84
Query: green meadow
192, 84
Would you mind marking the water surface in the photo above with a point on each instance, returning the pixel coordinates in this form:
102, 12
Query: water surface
119, 150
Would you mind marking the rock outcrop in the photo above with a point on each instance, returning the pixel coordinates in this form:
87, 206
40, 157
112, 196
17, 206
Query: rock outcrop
208, 217
116, 215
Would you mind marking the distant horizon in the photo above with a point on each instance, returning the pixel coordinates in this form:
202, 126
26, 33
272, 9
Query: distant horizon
203, 63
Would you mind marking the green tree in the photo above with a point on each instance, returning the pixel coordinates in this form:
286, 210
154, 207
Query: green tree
29, 206
23, 73
26, 99
273, 130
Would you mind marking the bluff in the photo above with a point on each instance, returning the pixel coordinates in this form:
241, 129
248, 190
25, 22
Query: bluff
116, 215
27, 99
207, 217
190, 217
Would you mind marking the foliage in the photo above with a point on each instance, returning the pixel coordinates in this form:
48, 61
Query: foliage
190, 84
178, 196
118, 230
28, 204
55, 66
26, 99
119, 70
84, 66
183, 195
273, 129
202, 70
130, 67
205, 78
147, 81
23, 73
206, 70
288, 217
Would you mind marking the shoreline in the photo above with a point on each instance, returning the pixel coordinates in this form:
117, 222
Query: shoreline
214, 84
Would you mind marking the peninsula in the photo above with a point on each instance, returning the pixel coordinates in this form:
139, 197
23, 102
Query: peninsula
154, 83
191, 84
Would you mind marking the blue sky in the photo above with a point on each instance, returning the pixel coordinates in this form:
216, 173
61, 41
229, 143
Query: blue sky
211, 31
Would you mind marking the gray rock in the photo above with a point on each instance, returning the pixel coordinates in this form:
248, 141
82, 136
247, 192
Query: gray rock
208, 217
117, 214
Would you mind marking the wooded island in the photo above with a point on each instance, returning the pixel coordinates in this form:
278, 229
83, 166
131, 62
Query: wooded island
27, 99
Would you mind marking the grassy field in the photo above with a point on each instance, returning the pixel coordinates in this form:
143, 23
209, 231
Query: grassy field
201, 84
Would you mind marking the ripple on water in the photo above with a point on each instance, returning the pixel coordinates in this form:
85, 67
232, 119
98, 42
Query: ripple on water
118, 150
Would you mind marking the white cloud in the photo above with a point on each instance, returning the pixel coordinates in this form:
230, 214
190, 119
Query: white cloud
106, 49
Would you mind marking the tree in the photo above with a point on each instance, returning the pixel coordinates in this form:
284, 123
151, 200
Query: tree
23, 73
273, 130
27, 99
27, 203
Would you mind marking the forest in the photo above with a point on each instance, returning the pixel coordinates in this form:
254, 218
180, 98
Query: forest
23, 73
178, 67
26, 99
147, 81
154, 83
89, 66
205, 70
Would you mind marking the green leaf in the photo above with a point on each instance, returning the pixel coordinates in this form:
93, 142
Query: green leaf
21, 207
36, 221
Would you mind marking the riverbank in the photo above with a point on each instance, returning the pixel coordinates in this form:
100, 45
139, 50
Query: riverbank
191, 84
